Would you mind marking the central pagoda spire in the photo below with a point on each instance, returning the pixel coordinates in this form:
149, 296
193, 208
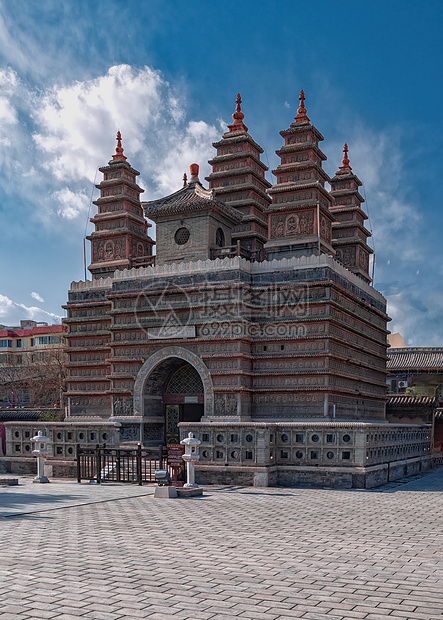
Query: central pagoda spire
299, 216
119, 149
345, 167
238, 180
302, 116
238, 116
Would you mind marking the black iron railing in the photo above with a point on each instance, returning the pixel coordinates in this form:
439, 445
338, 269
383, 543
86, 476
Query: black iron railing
104, 464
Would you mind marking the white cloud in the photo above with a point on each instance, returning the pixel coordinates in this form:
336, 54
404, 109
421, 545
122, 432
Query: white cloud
71, 204
194, 147
418, 317
78, 122
8, 114
37, 297
13, 140
11, 312
53, 141
76, 126
376, 158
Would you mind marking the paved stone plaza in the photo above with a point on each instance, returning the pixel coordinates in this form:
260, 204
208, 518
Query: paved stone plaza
107, 552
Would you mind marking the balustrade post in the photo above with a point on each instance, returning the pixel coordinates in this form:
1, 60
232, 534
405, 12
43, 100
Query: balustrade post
139, 464
98, 464
79, 472
160, 457
118, 463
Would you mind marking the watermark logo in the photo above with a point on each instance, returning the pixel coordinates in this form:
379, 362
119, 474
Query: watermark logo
165, 309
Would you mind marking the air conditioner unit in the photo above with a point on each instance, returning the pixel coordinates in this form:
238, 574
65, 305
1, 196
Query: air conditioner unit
402, 384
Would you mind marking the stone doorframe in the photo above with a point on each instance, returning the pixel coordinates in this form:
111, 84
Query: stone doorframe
160, 356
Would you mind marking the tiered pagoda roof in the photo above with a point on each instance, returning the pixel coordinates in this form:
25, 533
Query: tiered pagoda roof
120, 239
349, 235
238, 179
300, 219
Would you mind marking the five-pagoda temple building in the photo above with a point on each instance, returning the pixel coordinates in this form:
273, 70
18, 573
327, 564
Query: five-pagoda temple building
255, 325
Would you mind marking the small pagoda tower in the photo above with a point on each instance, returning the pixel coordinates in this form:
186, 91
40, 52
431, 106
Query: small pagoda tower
120, 239
238, 180
300, 222
349, 235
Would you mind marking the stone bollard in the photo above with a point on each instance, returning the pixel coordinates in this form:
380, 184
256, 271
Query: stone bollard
190, 456
40, 452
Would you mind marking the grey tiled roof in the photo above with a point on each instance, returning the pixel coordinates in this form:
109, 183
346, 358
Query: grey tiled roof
410, 401
189, 199
416, 358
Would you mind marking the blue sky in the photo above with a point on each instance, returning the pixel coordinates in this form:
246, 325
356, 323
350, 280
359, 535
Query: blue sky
166, 73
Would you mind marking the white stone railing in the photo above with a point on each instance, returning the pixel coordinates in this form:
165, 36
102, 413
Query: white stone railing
225, 264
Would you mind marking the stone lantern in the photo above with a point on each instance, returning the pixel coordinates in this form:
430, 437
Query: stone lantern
190, 456
40, 452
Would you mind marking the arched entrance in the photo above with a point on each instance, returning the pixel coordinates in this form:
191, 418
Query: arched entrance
173, 385
183, 400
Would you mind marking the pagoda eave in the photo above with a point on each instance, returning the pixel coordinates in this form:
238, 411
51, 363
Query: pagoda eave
295, 148
345, 193
248, 234
301, 127
112, 165
339, 177
348, 209
349, 225
298, 240
237, 172
228, 138
112, 182
297, 166
233, 189
351, 241
116, 198
273, 208
281, 188
219, 159
117, 232
114, 215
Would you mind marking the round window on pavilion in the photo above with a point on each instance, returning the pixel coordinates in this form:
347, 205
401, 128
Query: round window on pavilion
182, 236
220, 238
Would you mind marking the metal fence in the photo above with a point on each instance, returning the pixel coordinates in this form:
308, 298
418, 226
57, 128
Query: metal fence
102, 464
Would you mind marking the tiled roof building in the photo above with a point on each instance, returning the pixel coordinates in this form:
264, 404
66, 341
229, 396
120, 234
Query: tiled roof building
415, 359
415, 387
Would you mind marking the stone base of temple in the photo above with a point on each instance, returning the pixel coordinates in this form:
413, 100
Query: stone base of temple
320, 477
314, 453
328, 453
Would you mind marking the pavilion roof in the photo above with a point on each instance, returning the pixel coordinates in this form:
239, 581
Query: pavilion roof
191, 198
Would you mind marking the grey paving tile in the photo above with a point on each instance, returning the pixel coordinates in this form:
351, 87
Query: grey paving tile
243, 553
